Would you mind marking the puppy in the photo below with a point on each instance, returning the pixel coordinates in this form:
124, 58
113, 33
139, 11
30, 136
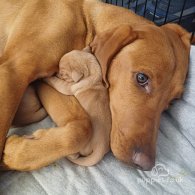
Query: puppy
80, 75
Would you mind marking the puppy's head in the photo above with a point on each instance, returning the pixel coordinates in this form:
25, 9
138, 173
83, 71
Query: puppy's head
77, 66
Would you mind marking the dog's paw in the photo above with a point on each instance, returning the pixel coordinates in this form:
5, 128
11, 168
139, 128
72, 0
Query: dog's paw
23, 152
12, 142
20, 152
10, 152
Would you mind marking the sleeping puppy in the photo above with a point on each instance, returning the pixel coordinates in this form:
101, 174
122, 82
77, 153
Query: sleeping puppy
80, 75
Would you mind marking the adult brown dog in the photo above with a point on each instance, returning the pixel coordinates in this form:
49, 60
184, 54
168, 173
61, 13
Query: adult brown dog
144, 65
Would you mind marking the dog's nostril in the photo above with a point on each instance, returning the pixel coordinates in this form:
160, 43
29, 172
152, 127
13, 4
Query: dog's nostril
142, 161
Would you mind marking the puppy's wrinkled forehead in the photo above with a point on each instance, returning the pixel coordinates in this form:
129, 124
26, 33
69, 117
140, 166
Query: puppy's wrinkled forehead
81, 61
74, 59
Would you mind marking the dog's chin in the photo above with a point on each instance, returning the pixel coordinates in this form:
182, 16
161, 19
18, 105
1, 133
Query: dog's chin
126, 152
144, 164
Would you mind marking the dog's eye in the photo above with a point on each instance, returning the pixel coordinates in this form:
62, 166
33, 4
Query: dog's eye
142, 79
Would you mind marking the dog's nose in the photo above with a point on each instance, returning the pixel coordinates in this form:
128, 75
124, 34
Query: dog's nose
143, 161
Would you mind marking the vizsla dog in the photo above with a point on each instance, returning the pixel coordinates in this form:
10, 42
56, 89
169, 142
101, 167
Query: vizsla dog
80, 75
143, 65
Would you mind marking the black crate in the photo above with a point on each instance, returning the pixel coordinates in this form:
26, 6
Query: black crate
163, 11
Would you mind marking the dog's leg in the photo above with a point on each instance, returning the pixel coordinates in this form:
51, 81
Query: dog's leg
47, 145
12, 87
16, 72
23, 62
34, 42
30, 109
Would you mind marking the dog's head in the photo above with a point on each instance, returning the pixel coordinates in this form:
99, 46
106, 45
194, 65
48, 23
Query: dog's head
145, 68
79, 70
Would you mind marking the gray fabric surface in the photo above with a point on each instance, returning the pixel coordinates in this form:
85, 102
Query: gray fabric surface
174, 172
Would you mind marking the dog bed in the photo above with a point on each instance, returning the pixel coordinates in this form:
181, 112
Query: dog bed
174, 172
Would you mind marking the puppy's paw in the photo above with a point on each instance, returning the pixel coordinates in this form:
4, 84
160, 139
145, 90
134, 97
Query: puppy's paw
51, 80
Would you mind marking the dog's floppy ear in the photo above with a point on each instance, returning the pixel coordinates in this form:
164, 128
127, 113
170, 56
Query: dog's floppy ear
108, 43
183, 34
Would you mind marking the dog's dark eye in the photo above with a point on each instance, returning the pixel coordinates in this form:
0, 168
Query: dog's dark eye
142, 79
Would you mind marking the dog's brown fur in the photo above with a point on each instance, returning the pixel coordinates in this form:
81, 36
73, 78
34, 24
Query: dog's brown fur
30, 109
35, 34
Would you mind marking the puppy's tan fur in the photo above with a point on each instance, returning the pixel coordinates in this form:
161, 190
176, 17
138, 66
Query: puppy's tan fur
80, 75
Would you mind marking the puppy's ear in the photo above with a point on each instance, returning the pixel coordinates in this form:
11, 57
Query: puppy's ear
76, 76
183, 34
87, 49
108, 43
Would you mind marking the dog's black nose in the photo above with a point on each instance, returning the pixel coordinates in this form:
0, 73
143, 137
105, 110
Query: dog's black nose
143, 161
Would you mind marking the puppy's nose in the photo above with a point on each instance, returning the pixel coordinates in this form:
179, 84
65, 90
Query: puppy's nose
143, 161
